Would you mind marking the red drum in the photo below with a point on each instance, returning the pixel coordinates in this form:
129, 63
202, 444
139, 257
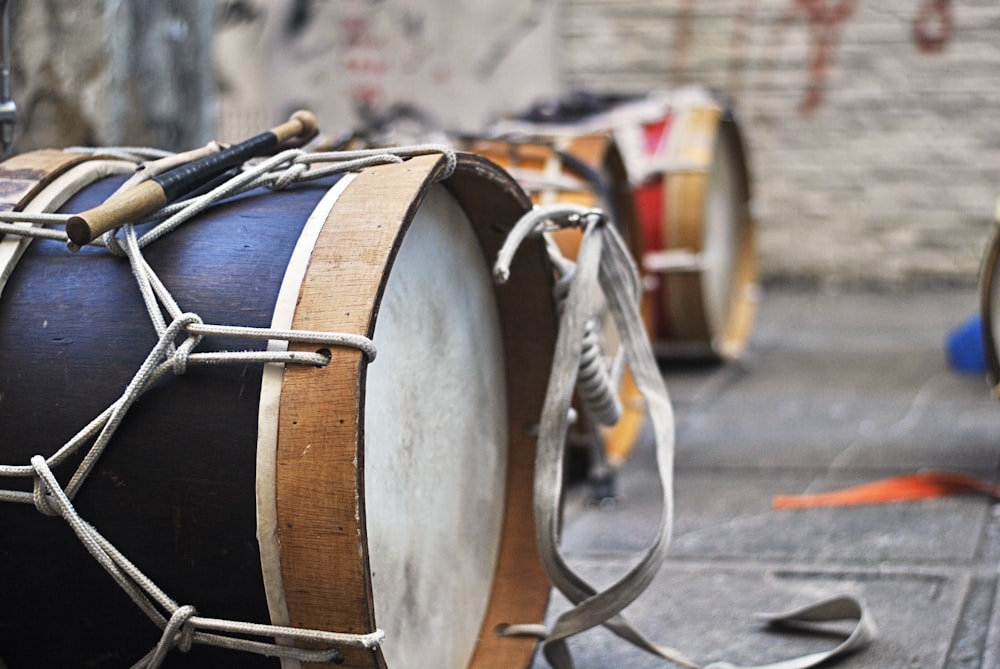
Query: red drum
686, 161
348, 497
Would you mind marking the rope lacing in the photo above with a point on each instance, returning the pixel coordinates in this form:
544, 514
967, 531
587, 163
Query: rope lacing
179, 334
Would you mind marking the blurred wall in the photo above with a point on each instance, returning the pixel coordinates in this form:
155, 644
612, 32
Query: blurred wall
112, 72
453, 63
871, 125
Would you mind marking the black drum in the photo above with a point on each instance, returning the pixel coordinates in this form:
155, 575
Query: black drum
345, 497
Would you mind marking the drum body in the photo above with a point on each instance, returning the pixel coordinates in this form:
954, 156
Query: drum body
989, 310
586, 170
687, 163
351, 497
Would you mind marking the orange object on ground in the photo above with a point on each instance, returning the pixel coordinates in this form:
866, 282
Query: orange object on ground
906, 488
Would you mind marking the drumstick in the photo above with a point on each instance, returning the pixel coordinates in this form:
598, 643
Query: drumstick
149, 196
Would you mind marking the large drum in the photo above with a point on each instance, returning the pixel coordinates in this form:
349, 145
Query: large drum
586, 170
349, 497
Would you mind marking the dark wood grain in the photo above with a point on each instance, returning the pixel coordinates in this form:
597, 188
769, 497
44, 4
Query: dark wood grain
175, 489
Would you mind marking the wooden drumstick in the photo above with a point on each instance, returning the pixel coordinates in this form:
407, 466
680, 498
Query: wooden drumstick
149, 196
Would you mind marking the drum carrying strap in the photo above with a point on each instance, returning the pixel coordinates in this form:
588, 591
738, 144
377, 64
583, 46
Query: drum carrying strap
604, 265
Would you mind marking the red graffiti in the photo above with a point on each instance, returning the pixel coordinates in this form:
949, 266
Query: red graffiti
932, 26
824, 24
932, 30
364, 63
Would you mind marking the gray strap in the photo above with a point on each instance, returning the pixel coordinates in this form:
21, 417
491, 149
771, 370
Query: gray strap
604, 265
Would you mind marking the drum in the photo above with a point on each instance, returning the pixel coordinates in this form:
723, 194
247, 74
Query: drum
347, 497
688, 165
587, 170
686, 161
989, 310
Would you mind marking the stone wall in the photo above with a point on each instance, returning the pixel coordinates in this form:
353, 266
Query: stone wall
874, 149
112, 72
453, 64
869, 124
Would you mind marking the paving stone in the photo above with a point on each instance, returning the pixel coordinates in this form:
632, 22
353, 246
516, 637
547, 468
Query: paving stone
707, 611
835, 390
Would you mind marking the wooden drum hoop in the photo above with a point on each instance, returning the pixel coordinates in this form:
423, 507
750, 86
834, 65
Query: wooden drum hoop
989, 310
289, 512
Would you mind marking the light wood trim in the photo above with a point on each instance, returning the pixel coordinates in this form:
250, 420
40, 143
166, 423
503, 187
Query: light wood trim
320, 455
23, 176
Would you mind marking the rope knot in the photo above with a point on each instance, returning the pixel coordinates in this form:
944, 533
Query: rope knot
179, 359
182, 630
114, 244
289, 176
177, 633
41, 494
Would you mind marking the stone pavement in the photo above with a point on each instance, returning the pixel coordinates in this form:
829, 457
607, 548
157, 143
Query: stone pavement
835, 390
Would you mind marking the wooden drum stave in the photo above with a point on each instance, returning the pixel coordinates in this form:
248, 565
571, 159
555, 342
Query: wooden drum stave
343, 498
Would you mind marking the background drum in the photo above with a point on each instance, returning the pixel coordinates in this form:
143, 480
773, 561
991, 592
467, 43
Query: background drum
344, 498
692, 191
989, 310
686, 161
586, 170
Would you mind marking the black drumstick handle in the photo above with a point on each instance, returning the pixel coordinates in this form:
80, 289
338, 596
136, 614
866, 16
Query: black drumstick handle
149, 196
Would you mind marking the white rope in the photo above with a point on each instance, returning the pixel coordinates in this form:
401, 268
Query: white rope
604, 265
179, 334
182, 627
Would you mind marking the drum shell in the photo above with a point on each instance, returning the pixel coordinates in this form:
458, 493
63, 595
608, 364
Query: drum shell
581, 169
585, 169
989, 310
685, 152
176, 490
670, 142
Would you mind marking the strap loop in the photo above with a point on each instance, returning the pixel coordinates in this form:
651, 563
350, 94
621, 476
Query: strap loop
604, 266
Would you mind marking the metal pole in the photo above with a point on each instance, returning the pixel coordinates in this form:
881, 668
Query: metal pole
8, 110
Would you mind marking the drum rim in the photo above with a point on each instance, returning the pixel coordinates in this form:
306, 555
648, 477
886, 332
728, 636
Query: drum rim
728, 340
528, 328
37, 170
987, 293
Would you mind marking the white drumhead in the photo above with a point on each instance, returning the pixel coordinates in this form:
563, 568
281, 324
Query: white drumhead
435, 443
721, 237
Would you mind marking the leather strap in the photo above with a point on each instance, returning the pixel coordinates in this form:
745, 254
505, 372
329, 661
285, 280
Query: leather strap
604, 264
